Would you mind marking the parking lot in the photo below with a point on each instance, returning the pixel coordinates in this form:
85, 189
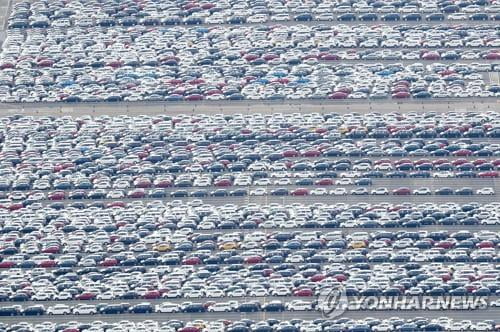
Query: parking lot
248, 214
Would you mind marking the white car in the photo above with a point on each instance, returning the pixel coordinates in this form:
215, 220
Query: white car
384, 167
167, 307
338, 192
105, 296
64, 296
383, 327
299, 305
173, 293
214, 292
258, 291
84, 309
319, 192
490, 221
380, 191
258, 192
422, 191
281, 291
344, 182
443, 174
485, 191
282, 182
482, 327
220, 307
59, 309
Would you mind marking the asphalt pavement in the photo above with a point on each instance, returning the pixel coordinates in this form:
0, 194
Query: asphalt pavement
253, 106
477, 315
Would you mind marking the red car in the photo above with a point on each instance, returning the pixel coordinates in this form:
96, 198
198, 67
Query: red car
324, 182
7, 265
189, 329
431, 56
330, 57
479, 162
303, 292
300, 192
192, 261
488, 174
445, 244
401, 95
85, 296
152, 294
422, 161
317, 277
194, 97
137, 194
290, 154
462, 153
143, 183
223, 183
48, 263
340, 277
402, 191
459, 162
338, 95
163, 184
311, 153
253, 260
56, 196
440, 161
109, 262
116, 204
51, 250
485, 244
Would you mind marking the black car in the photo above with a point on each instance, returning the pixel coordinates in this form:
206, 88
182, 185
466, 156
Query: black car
113, 309
368, 17
464, 191
194, 307
280, 192
199, 193
346, 17
249, 307
478, 17
35, 310
412, 17
142, 308
444, 191
274, 307
9, 311
391, 17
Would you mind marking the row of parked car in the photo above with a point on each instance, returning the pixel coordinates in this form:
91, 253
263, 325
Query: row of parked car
95, 243
368, 324
185, 307
185, 151
226, 63
14, 199
17, 188
300, 280
41, 14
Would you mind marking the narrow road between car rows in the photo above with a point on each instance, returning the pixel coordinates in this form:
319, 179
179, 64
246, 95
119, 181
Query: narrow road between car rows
251, 106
